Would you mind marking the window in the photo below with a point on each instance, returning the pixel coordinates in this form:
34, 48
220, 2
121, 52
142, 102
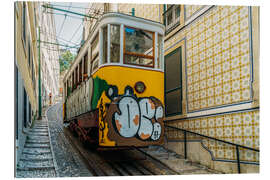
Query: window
115, 43
160, 52
105, 42
173, 82
94, 53
80, 72
85, 66
171, 16
138, 47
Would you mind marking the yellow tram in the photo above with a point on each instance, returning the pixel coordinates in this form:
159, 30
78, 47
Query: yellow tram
114, 90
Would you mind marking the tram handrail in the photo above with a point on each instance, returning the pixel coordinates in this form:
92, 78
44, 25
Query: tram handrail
215, 139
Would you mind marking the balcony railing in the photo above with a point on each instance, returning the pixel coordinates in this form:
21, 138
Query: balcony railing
237, 147
171, 17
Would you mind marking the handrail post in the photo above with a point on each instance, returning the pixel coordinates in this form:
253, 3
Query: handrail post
238, 159
185, 144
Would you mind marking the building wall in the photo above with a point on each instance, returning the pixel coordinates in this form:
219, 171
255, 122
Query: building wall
26, 76
220, 78
49, 56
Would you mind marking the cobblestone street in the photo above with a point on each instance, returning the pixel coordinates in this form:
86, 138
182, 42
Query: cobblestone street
68, 161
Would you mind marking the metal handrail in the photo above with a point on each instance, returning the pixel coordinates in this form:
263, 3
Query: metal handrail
215, 139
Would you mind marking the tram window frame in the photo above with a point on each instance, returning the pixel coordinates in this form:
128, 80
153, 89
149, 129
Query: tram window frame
159, 51
85, 66
80, 71
113, 46
95, 62
105, 44
139, 55
95, 57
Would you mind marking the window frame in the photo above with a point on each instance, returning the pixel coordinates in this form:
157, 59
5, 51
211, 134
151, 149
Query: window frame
175, 21
180, 48
138, 54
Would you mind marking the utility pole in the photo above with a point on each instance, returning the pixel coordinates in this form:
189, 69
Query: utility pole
39, 77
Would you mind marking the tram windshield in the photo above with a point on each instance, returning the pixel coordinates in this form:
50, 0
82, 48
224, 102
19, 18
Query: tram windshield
138, 47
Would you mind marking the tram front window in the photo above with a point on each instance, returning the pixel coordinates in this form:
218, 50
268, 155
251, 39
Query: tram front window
138, 47
115, 43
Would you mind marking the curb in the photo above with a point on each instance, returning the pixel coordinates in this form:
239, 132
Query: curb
51, 147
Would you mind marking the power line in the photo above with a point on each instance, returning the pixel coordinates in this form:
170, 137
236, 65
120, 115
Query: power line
64, 20
58, 37
76, 31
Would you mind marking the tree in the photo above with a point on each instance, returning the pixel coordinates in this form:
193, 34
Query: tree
66, 60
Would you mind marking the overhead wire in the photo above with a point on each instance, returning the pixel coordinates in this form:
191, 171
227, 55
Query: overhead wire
57, 37
64, 20
76, 31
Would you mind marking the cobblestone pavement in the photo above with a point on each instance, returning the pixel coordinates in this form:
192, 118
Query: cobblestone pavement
69, 163
37, 158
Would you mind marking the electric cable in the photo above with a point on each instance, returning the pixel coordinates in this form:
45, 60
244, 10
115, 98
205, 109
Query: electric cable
64, 20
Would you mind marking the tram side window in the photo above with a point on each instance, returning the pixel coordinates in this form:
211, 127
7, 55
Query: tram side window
94, 53
105, 42
85, 66
115, 43
160, 55
138, 47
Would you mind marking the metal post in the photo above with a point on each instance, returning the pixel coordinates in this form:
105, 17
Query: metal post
238, 159
39, 78
133, 11
185, 144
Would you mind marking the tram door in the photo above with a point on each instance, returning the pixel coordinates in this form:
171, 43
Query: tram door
173, 82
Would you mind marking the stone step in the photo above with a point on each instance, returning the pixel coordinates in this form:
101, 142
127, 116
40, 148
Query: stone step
32, 145
35, 165
43, 173
40, 127
37, 142
36, 159
37, 156
37, 134
38, 131
36, 150
34, 168
38, 138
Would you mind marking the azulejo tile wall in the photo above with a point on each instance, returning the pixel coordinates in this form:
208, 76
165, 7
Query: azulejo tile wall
218, 63
147, 11
239, 128
191, 9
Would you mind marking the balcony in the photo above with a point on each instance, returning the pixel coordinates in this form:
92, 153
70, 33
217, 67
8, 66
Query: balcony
171, 17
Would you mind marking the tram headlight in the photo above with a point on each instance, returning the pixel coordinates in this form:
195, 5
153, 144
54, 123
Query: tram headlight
140, 87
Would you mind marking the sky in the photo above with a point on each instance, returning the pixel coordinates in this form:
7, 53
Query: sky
69, 28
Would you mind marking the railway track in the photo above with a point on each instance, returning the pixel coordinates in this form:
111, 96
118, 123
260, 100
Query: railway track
129, 162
